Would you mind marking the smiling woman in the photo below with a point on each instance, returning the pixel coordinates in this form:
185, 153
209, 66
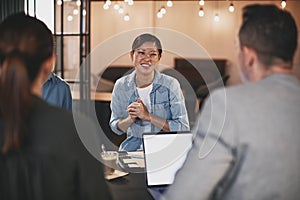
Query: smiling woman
146, 100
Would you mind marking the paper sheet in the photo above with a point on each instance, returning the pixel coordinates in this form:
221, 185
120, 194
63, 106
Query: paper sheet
139, 154
134, 162
116, 174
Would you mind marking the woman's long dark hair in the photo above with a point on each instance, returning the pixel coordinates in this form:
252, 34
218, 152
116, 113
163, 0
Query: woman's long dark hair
25, 44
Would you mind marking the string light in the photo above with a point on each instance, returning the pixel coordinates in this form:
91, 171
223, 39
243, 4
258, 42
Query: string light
217, 18
163, 10
169, 3
231, 7
116, 6
108, 2
130, 2
70, 18
121, 10
201, 2
126, 17
201, 12
59, 2
105, 6
283, 4
78, 3
75, 11
159, 14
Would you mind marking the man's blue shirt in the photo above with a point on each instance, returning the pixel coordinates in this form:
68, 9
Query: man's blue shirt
57, 92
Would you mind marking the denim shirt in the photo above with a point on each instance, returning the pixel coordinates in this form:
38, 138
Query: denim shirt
167, 102
57, 92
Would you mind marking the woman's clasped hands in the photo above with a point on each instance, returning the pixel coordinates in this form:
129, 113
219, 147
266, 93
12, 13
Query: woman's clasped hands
138, 110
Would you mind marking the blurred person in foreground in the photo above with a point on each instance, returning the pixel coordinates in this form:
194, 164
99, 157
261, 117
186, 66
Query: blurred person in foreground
42, 156
262, 114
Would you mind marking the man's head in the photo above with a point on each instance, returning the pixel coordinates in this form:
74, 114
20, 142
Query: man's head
270, 32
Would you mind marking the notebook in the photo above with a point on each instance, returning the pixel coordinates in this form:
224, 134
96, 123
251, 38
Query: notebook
164, 154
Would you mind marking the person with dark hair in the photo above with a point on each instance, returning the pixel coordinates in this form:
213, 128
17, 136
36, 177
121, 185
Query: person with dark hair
146, 100
42, 156
247, 138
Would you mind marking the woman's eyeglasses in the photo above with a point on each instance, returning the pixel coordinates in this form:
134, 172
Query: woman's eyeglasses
153, 55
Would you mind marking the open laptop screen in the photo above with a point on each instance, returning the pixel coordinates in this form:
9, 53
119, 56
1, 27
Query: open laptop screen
165, 153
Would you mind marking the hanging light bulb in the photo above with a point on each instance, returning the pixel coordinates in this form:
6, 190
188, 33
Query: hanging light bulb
283, 4
126, 17
78, 2
169, 3
108, 2
121, 10
130, 2
75, 11
231, 7
163, 10
116, 6
159, 14
105, 6
201, 12
201, 3
59, 2
70, 18
217, 18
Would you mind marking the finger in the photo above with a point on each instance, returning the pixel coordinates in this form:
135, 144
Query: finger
133, 105
133, 116
130, 108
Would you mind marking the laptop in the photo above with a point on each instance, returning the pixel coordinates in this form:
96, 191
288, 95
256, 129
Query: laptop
164, 154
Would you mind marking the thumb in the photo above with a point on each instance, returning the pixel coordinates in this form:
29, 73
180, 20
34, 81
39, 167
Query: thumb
139, 100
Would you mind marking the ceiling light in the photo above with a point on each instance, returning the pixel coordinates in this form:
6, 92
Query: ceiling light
121, 10
283, 3
201, 12
217, 18
231, 7
105, 6
126, 17
116, 6
108, 2
130, 2
201, 2
159, 15
163, 10
75, 11
169, 3
70, 18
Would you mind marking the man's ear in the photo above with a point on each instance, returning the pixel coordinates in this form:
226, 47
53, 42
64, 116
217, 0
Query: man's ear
250, 56
48, 65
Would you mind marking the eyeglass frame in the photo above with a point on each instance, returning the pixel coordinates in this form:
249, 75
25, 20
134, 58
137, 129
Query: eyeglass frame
141, 53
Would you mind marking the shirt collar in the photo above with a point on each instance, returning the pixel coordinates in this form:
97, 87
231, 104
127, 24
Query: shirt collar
131, 80
157, 82
50, 77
